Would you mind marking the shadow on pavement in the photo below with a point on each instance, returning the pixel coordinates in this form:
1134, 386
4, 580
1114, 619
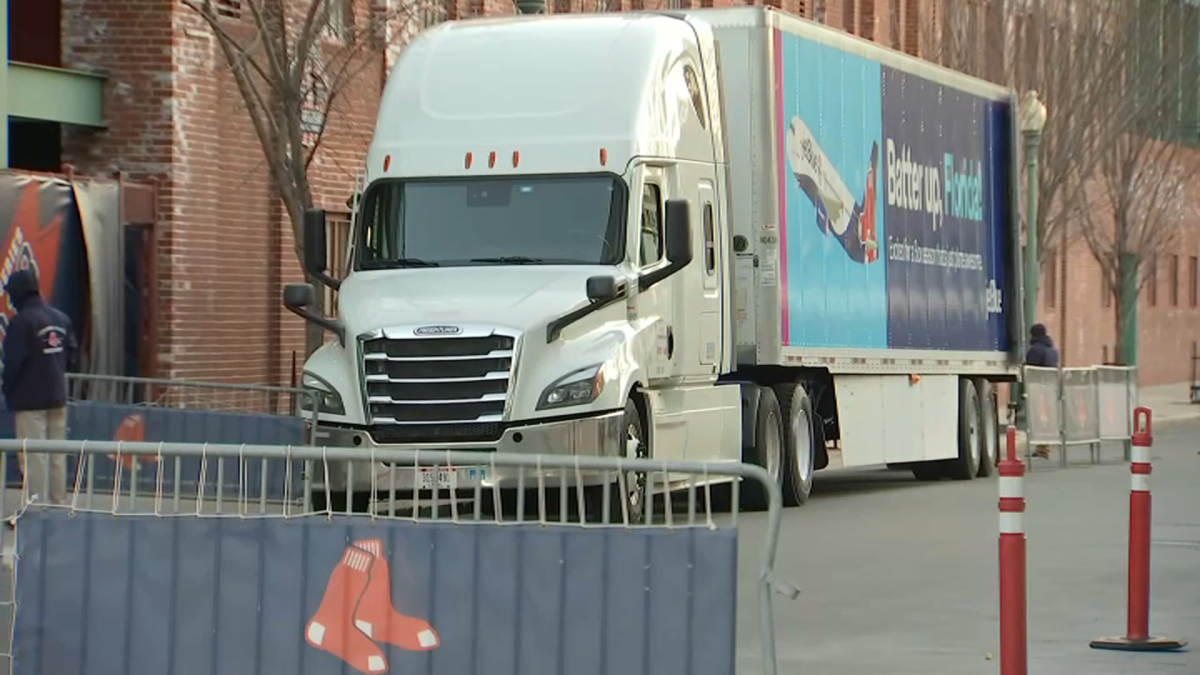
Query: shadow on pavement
849, 482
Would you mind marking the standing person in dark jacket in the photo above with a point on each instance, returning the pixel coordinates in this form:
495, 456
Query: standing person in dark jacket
1041, 348
1043, 354
38, 347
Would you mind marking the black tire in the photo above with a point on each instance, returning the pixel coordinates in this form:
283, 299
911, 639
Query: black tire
800, 447
634, 495
766, 452
989, 428
966, 465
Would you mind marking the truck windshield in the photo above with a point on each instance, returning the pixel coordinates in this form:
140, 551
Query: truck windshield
555, 220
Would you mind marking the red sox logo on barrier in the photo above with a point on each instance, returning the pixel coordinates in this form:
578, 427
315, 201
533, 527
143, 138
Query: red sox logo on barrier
131, 430
357, 610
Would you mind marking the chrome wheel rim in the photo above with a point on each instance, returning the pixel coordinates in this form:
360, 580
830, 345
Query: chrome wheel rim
991, 440
802, 432
773, 447
973, 426
635, 481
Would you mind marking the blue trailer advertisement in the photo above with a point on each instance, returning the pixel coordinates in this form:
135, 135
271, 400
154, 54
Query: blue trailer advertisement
893, 205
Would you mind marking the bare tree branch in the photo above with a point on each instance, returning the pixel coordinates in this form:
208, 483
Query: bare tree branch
292, 79
1071, 52
1145, 172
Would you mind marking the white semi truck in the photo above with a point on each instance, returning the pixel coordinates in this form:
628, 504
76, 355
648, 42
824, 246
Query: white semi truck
725, 235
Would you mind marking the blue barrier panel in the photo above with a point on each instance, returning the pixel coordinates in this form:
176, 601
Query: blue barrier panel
87, 420
145, 595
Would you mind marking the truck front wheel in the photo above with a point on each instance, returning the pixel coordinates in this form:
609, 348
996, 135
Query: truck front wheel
629, 494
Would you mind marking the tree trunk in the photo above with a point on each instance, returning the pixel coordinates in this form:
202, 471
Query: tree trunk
1127, 308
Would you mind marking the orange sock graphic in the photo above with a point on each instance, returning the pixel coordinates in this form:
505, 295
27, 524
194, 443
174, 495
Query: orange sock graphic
332, 628
375, 615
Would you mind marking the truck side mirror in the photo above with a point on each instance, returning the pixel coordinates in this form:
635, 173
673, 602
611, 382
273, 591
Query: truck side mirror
679, 233
601, 288
314, 242
299, 297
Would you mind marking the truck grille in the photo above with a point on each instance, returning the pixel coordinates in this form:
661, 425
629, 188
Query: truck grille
437, 380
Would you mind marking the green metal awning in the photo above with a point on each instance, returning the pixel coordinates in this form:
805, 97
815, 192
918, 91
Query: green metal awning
55, 95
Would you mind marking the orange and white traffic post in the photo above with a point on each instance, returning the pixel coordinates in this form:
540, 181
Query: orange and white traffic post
1013, 640
1137, 636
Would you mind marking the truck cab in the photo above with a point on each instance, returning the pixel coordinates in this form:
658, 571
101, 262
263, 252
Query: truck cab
540, 258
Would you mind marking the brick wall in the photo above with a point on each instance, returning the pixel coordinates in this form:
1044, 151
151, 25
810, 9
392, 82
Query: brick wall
226, 246
177, 119
1081, 317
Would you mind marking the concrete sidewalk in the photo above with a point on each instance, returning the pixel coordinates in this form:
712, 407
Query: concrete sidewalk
1169, 402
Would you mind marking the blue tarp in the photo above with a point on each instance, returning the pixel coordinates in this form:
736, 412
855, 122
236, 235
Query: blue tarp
136, 595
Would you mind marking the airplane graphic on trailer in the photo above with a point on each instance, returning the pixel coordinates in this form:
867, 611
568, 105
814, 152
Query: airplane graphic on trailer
852, 223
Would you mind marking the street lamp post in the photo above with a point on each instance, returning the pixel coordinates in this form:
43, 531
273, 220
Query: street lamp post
1032, 118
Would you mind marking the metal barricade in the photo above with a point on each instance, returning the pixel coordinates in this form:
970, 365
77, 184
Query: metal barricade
1080, 407
1117, 396
447, 581
1068, 407
105, 408
1043, 414
195, 395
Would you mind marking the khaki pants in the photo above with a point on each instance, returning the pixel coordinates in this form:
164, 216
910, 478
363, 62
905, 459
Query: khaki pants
45, 474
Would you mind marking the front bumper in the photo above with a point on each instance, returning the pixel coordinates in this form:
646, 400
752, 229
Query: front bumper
597, 436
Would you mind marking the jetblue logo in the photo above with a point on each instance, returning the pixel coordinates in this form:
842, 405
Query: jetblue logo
437, 330
994, 298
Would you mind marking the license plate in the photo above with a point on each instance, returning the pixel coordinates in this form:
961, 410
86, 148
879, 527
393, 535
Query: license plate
449, 477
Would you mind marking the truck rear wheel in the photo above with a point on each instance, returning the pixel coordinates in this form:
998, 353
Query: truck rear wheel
799, 446
767, 451
989, 428
970, 436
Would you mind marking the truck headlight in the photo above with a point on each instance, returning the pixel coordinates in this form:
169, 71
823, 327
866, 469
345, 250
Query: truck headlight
575, 388
327, 398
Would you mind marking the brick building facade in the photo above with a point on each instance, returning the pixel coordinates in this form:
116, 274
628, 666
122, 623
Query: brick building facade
176, 118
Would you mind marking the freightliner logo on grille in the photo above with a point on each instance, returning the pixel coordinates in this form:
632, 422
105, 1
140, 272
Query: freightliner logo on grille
437, 330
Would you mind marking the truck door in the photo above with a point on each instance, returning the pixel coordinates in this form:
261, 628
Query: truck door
654, 305
711, 350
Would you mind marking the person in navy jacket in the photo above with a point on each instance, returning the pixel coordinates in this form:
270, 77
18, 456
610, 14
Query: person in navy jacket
39, 347
1041, 348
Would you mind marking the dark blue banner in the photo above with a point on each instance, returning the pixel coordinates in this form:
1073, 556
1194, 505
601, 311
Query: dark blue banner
946, 162
136, 595
40, 230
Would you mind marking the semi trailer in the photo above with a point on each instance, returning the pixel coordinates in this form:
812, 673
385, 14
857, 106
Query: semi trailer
723, 235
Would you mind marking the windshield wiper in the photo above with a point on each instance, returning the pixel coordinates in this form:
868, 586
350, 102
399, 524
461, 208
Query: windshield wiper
509, 260
397, 262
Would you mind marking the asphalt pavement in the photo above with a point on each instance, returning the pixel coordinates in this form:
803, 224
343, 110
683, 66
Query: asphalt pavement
900, 577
